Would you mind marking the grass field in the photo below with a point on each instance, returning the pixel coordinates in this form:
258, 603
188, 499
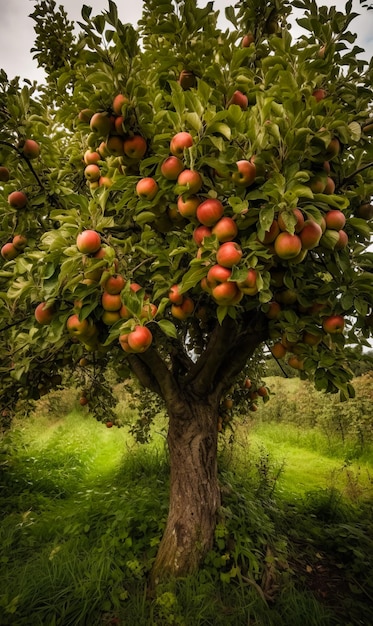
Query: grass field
83, 508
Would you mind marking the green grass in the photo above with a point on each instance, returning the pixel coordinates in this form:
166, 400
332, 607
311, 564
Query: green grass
83, 508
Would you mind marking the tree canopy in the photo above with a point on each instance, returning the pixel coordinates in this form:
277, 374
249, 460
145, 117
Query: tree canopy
176, 197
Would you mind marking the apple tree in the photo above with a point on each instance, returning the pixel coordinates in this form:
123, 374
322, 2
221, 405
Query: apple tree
174, 198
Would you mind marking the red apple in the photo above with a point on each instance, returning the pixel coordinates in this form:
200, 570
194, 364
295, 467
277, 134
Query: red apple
287, 246
19, 242
310, 235
271, 234
4, 174
111, 302
104, 181
114, 284
110, 317
115, 146
9, 251
218, 274
100, 123
319, 94
365, 211
140, 339
171, 168
342, 241
330, 186
296, 362
190, 179
335, 219
317, 183
119, 125
297, 213
278, 350
118, 102
135, 147
200, 233
248, 285
180, 142
187, 79
225, 229
174, 295
247, 40
92, 172
239, 98
226, 293
229, 254
245, 175
88, 242
334, 324
210, 211
333, 149
188, 208
76, 327
31, 149
17, 199
91, 157
147, 188
85, 115
184, 310
273, 311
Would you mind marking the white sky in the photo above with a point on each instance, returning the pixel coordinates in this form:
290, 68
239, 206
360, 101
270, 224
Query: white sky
17, 33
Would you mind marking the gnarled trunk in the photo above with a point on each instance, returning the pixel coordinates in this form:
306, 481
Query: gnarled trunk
194, 490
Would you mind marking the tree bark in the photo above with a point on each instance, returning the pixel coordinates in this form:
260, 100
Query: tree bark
194, 489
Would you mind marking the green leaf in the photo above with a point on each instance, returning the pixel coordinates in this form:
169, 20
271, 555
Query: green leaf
221, 312
168, 328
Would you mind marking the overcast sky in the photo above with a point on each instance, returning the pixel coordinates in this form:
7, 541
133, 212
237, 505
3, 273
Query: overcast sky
17, 33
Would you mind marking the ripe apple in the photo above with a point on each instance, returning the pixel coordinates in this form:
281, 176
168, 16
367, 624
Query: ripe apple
334, 324
239, 98
83, 401
247, 40
297, 213
115, 146
147, 188
9, 251
317, 183
91, 157
148, 311
187, 79
114, 284
111, 302
19, 242
226, 293
248, 285
342, 241
278, 350
365, 211
118, 102
100, 123
310, 235
217, 274
17, 199
31, 149
287, 246
174, 295
200, 233
76, 327
225, 229
330, 186
88, 242
271, 234
184, 310
92, 172
296, 362
245, 175
335, 219
105, 181
109, 424
333, 149
210, 211
229, 254
140, 339
119, 126
274, 310
247, 383
190, 179
188, 208
110, 317
262, 392
319, 94
102, 150
85, 115
135, 147
311, 339
329, 239
172, 167
4, 174
180, 142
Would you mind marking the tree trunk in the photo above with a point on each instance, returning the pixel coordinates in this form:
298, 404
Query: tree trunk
194, 489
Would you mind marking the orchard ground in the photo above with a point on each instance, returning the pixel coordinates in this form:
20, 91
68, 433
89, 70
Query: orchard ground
84, 507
